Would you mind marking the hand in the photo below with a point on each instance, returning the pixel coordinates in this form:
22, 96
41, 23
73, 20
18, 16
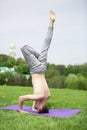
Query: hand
33, 109
22, 111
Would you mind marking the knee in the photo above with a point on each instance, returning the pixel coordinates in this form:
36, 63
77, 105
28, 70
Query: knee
23, 47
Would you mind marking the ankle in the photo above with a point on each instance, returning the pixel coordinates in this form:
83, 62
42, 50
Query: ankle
52, 22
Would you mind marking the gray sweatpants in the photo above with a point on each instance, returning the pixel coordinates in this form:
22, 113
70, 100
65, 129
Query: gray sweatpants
37, 61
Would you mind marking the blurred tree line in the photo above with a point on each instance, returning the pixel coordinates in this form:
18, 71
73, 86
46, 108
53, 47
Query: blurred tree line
57, 76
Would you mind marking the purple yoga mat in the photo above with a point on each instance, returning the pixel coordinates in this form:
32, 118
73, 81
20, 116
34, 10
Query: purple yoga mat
61, 113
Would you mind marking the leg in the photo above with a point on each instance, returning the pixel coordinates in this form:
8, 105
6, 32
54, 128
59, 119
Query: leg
38, 65
28, 97
34, 64
30, 56
31, 50
43, 55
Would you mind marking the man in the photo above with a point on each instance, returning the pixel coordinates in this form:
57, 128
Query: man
37, 65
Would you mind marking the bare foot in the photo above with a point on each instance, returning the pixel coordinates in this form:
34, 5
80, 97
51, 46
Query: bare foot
52, 15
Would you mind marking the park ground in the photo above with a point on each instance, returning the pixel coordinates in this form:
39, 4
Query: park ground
60, 98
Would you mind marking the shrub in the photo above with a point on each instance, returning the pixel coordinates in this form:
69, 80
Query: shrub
72, 81
56, 82
2, 79
82, 83
14, 79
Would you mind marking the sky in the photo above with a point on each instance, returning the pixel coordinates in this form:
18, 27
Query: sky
26, 22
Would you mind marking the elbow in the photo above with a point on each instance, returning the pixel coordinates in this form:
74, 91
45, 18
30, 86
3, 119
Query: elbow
20, 99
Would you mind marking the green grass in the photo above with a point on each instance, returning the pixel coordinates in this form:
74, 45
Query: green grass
60, 98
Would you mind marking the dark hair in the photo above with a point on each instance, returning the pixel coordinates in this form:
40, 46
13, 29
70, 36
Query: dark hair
44, 109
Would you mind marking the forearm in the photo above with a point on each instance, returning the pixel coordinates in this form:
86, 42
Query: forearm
34, 106
27, 98
20, 104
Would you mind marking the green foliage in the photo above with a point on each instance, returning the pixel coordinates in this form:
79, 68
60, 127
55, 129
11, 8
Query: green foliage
75, 69
51, 71
83, 69
3, 60
2, 79
61, 69
76, 82
72, 69
82, 82
72, 81
56, 82
19, 61
14, 79
57, 76
54, 79
11, 61
21, 66
20, 80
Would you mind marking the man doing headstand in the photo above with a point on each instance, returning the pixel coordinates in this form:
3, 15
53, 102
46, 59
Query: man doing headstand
37, 64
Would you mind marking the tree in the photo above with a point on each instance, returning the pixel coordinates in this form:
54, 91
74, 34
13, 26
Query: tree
56, 82
2, 79
82, 81
83, 69
11, 61
51, 71
61, 69
21, 66
19, 61
3, 60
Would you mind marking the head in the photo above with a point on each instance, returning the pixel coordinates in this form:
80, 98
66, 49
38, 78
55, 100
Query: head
42, 108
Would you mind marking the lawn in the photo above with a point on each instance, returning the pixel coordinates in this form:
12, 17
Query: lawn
60, 98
